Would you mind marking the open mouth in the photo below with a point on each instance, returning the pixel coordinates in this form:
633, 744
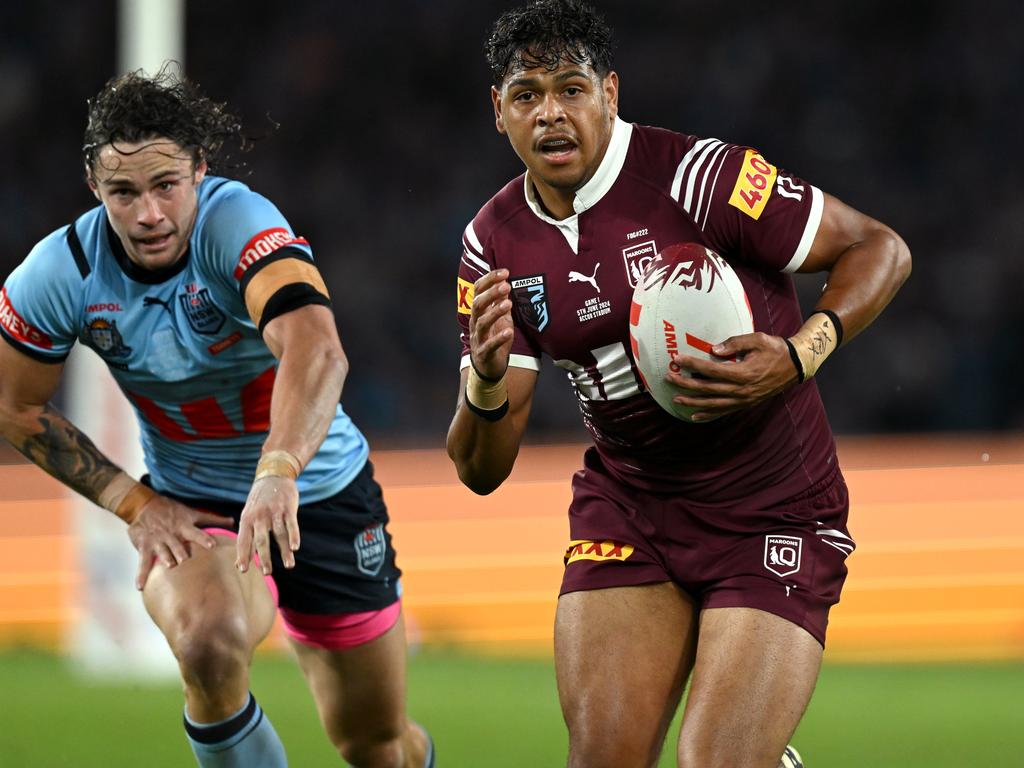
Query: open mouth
557, 147
154, 243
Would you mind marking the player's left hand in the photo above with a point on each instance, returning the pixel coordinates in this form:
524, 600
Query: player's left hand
754, 367
272, 508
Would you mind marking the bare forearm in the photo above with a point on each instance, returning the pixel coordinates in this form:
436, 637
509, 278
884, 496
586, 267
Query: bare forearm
483, 452
306, 395
865, 278
47, 439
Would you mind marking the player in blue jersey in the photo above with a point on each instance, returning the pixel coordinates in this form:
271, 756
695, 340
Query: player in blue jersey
217, 326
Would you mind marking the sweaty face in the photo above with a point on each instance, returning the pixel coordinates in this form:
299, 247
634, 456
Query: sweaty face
149, 191
559, 123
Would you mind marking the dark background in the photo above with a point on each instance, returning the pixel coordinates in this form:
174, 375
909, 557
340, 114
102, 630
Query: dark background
386, 149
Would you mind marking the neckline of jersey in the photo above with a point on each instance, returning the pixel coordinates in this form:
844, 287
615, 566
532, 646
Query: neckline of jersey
140, 274
603, 179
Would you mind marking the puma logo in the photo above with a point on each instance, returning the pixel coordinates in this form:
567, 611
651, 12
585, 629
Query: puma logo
576, 277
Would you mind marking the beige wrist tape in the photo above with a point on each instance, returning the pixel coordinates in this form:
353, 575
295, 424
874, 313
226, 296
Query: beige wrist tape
814, 342
125, 497
278, 464
486, 395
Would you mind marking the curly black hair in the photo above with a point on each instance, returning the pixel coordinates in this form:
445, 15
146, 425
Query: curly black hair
545, 33
134, 107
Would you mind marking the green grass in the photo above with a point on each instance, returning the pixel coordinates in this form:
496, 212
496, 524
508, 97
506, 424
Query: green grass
487, 713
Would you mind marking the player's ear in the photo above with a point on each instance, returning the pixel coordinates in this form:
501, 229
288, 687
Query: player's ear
499, 121
201, 168
610, 84
92, 183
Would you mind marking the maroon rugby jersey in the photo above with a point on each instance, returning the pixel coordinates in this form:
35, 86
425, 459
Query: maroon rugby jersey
572, 282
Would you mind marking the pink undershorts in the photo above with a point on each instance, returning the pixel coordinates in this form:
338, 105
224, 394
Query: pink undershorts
334, 632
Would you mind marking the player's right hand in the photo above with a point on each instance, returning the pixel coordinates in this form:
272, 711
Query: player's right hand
164, 531
490, 324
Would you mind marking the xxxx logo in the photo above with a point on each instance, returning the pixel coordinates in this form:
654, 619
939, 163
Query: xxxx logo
464, 296
586, 549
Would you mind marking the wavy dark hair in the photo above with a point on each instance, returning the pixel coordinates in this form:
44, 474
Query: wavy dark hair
545, 33
134, 107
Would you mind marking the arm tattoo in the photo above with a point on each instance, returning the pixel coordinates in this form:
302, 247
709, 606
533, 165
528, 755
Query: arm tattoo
66, 453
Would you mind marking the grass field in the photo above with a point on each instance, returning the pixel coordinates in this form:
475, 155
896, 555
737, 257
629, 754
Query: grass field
492, 713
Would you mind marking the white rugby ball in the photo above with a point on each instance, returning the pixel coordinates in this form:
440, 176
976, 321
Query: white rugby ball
687, 300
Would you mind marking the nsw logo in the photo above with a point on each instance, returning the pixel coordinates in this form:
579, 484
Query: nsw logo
203, 315
371, 547
531, 300
782, 554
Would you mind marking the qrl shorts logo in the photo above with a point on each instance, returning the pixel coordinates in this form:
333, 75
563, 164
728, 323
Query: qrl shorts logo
782, 554
370, 547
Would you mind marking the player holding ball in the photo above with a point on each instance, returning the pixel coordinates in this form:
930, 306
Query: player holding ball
709, 549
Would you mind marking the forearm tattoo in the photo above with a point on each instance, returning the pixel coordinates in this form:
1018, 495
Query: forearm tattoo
66, 453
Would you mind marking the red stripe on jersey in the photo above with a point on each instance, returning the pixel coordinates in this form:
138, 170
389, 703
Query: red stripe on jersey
256, 401
634, 313
20, 330
168, 427
208, 419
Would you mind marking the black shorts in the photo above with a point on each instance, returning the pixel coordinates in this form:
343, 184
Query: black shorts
346, 563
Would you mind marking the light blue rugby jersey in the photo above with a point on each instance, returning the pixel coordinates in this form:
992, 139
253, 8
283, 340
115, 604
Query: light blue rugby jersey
179, 342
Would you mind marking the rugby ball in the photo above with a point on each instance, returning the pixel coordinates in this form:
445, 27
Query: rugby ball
687, 300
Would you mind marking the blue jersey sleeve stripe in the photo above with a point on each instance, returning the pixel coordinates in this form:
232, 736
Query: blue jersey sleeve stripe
35, 354
77, 251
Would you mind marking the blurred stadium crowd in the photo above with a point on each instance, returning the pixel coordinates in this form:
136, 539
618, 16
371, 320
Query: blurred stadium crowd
386, 148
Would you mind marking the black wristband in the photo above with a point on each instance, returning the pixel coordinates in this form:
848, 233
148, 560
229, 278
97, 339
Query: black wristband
495, 415
480, 376
796, 361
836, 322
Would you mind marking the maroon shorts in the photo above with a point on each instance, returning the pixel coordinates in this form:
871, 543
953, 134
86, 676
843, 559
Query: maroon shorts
788, 559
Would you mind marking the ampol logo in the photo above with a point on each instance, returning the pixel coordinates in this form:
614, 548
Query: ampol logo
782, 554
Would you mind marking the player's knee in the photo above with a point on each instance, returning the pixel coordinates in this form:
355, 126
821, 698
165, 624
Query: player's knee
694, 754
379, 749
211, 650
607, 748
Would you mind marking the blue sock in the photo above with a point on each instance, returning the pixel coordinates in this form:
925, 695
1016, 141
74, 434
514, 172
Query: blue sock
428, 760
246, 739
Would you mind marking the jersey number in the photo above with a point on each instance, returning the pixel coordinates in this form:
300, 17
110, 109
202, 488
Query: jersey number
207, 418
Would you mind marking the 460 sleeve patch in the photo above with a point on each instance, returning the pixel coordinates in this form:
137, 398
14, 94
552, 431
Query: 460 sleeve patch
754, 184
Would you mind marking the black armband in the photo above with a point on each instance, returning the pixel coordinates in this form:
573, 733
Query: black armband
836, 322
493, 415
290, 298
487, 379
796, 361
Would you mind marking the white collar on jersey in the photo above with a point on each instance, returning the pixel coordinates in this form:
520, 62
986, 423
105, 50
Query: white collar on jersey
590, 193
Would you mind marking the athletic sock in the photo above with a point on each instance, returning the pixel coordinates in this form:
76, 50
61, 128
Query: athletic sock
428, 761
244, 740
791, 758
